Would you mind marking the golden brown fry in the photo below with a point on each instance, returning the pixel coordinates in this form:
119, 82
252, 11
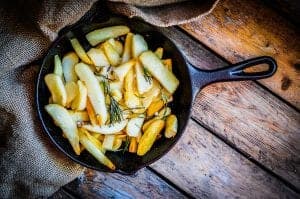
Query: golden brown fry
133, 145
171, 126
159, 52
91, 112
72, 91
155, 107
167, 63
117, 144
80, 51
147, 124
149, 137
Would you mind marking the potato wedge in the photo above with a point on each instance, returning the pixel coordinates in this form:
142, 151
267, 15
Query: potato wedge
134, 126
79, 116
131, 100
171, 126
159, 52
143, 84
100, 35
92, 148
149, 96
80, 51
122, 70
167, 63
56, 88
132, 145
72, 91
156, 68
155, 107
117, 45
117, 144
65, 122
107, 129
147, 124
108, 142
79, 102
127, 48
98, 57
68, 66
111, 54
149, 137
94, 91
139, 45
58, 67
91, 113
166, 111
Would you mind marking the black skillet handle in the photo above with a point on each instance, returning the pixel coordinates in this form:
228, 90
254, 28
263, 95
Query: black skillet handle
235, 72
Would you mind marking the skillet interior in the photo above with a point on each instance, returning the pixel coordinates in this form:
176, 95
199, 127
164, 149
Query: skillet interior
126, 163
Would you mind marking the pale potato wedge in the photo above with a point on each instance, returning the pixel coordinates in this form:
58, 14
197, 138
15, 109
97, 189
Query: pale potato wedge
144, 84
166, 111
79, 116
131, 100
171, 126
68, 66
167, 63
72, 91
107, 129
79, 102
134, 126
117, 45
80, 51
94, 150
94, 139
111, 54
58, 67
152, 94
108, 142
94, 90
98, 57
139, 45
65, 122
97, 36
56, 88
127, 48
156, 68
149, 136
159, 52
122, 70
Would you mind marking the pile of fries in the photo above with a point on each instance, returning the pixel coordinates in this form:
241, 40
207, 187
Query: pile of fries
113, 97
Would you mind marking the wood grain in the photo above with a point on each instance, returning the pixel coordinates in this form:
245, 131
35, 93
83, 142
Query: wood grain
143, 184
205, 167
61, 194
243, 113
241, 29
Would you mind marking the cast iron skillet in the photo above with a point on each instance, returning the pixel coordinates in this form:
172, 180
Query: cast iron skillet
191, 80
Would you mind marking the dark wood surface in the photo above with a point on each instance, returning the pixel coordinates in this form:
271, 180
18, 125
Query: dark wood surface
243, 139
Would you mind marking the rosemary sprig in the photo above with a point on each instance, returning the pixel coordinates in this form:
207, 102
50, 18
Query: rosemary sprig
115, 112
147, 75
126, 145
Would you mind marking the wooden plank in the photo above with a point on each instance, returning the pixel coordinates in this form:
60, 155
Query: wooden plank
239, 29
246, 115
205, 167
143, 184
61, 194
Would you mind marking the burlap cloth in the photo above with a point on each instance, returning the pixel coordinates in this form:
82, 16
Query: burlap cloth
30, 165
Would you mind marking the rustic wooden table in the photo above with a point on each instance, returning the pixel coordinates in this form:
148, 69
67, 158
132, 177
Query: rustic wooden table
243, 138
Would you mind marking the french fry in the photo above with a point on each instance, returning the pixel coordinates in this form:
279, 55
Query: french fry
149, 137
156, 68
147, 124
116, 45
63, 120
132, 145
108, 142
79, 116
94, 150
68, 66
93, 139
98, 57
149, 96
58, 67
79, 102
100, 35
155, 107
167, 63
72, 91
143, 84
127, 48
159, 52
107, 129
80, 51
111, 54
117, 144
94, 91
56, 88
139, 45
171, 126
131, 100
91, 113
134, 126
122, 70
166, 111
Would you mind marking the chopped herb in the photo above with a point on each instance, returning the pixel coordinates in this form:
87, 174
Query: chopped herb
147, 75
115, 112
126, 144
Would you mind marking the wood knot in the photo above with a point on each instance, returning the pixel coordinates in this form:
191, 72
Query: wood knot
285, 83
